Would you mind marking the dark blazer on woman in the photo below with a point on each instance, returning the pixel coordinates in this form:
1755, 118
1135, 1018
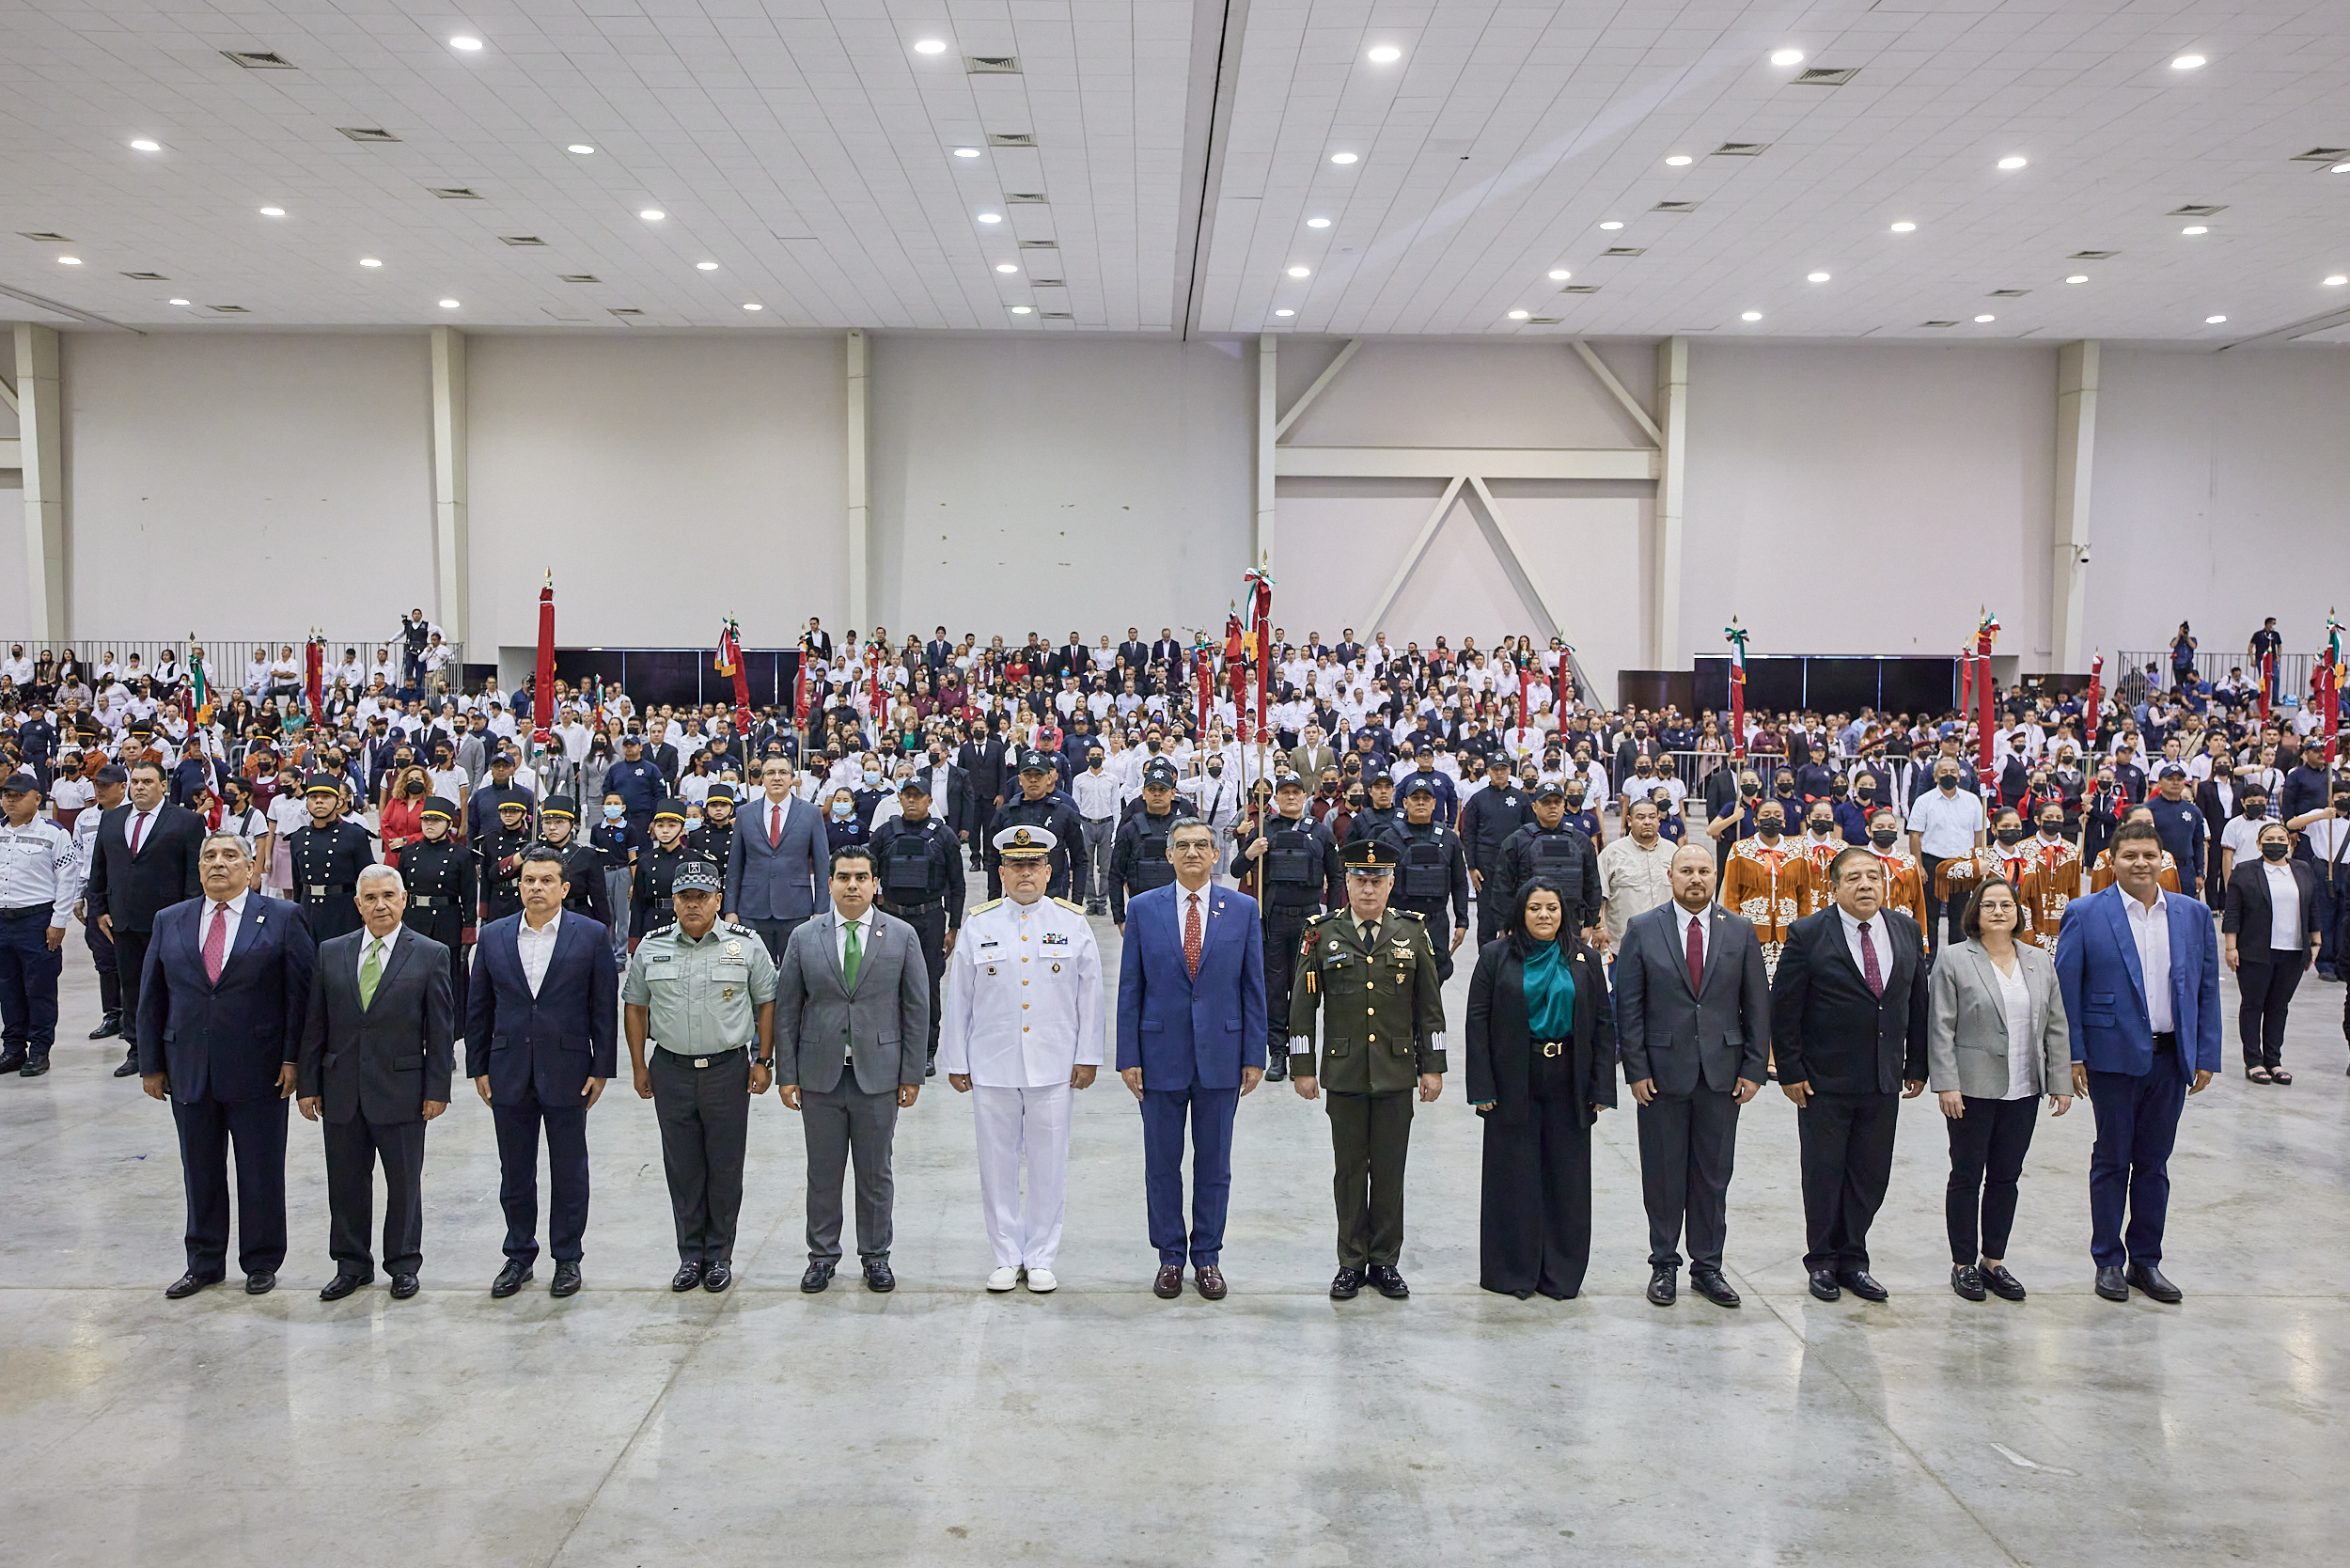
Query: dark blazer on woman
2248, 912
1502, 1062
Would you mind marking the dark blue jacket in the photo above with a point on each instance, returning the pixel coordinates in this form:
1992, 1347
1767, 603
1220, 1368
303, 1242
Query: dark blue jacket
551, 1043
225, 1043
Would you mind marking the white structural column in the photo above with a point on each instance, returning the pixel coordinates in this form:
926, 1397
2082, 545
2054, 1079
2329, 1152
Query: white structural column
1269, 426
1672, 442
40, 412
2077, 439
860, 565
452, 548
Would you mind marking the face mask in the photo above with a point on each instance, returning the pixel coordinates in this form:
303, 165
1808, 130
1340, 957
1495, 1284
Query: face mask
1771, 827
2011, 835
872, 779
614, 813
1094, 763
1823, 828
842, 809
1750, 790
2274, 850
1215, 770
1950, 784
1883, 837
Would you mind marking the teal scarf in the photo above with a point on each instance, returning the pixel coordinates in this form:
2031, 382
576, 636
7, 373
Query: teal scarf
1550, 993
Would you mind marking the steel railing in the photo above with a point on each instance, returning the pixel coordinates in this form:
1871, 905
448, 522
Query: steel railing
2293, 670
225, 658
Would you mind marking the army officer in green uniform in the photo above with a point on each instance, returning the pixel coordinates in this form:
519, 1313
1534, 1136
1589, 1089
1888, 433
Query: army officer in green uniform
1373, 969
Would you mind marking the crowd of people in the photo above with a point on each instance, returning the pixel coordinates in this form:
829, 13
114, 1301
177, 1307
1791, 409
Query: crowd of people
1612, 868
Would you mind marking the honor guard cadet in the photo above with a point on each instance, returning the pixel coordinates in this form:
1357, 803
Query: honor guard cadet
713, 837
1554, 850
328, 856
1138, 859
441, 874
1040, 803
1023, 1033
501, 852
656, 869
583, 864
702, 993
1432, 880
39, 875
1298, 873
919, 861
1372, 972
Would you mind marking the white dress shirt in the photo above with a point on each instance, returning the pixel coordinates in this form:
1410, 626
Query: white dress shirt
1876, 939
2284, 907
236, 920
864, 937
1097, 794
534, 945
139, 828
1183, 896
368, 942
1683, 920
2023, 1047
2150, 924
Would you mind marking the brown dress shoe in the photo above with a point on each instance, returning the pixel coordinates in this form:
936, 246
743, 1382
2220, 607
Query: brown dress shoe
1169, 1284
1211, 1280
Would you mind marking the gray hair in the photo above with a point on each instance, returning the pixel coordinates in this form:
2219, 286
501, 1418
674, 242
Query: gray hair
231, 836
382, 873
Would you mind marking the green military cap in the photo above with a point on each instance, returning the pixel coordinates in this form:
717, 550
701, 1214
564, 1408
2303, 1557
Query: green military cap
1371, 857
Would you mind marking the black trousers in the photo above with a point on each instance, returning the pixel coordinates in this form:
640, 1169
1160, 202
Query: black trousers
101, 952
1987, 1147
705, 1117
130, 958
2265, 982
2332, 908
256, 1129
772, 934
930, 928
29, 982
1534, 1230
1847, 1144
1688, 1143
1935, 907
1438, 913
1283, 930
1370, 1136
567, 1178
353, 1149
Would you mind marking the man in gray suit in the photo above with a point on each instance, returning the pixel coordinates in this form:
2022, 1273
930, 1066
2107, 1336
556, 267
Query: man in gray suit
1693, 1027
852, 1029
378, 1051
776, 865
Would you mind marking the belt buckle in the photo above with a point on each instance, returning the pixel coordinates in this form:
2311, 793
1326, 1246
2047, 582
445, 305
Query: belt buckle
1552, 1047
318, 889
701, 1062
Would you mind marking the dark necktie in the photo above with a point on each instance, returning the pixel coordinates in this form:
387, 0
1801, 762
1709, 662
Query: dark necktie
1697, 955
1869, 961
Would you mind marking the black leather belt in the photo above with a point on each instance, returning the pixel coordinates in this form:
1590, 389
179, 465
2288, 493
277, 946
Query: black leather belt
902, 909
429, 901
2167, 1041
1551, 1048
710, 1058
325, 890
27, 909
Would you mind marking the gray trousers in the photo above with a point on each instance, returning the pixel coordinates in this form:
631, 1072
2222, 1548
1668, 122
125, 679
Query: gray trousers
620, 885
705, 1117
838, 1123
1100, 838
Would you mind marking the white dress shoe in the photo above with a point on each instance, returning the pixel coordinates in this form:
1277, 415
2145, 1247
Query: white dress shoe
1040, 1281
1003, 1279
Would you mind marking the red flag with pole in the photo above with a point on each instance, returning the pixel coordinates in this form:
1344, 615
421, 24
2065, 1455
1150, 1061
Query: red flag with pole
729, 662
2328, 682
542, 680
314, 673
1260, 598
1966, 686
2096, 697
1987, 717
1736, 636
799, 692
2268, 680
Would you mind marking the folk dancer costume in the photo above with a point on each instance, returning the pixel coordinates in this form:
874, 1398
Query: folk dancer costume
1762, 882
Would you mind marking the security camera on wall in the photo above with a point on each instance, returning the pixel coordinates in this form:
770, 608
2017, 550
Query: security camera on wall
2084, 554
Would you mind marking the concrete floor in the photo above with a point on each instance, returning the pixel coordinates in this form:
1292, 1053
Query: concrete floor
1101, 1425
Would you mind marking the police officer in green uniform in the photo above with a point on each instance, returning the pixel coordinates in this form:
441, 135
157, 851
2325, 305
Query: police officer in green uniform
1373, 971
583, 863
919, 861
1040, 803
440, 873
1433, 880
1298, 875
713, 837
649, 907
501, 850
703, 993
1138, 859
328, 856
1552, 848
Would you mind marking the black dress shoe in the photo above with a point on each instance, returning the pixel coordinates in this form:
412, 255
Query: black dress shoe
1967, 1282
2000, 1283
13, 1060
1858, 1282
1168, 1283
403, 1286
108, 1026
688, 1276
1388, 1282
566, 1281
1347, 1285
187, 1285
877, 1277
129, 1068
1663, 1284
260, 1282
2112, 1285
816, 1277
513, 1278
343, 1285
1824, 1285
2147, 1277
1276, 1067
717, 1277
1709, 1283
34, 1067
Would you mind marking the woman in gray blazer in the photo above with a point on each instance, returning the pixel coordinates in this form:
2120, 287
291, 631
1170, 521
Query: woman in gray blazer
1996, 1042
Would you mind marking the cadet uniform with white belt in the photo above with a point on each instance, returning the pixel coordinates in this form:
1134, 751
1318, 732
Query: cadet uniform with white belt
38, 886
1023, 1032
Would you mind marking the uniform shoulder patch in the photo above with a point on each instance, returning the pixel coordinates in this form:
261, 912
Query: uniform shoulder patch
733, 930
982, 908
1073, 908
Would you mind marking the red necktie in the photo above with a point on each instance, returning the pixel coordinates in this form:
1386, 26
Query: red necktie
1191, 937
1869, 961
216, 943
138, 827
775, 825
1697, 955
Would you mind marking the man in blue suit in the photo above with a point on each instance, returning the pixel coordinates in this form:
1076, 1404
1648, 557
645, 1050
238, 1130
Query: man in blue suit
222, 997
541, 1037
1191, 1041
2140, 975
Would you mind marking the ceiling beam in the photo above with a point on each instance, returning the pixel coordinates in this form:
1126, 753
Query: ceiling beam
1410, 558
1439, 463
1607, 379
1218, 26
1282, 426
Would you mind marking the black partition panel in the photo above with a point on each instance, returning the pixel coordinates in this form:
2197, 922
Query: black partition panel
1832, 684
1840, 685
1920, 685
682, 675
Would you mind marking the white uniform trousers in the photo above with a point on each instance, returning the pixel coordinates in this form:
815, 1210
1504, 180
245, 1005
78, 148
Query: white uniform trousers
1012, 1123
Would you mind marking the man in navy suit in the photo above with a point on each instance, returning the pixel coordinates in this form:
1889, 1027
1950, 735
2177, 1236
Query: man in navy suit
541, 1038
1191, 1041
2140, 975
222, 1002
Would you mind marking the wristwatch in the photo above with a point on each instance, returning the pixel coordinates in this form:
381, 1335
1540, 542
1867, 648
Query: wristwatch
768, 1062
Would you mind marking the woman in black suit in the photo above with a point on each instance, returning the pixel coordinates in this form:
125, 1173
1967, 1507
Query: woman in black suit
1541, 1068
2271, 926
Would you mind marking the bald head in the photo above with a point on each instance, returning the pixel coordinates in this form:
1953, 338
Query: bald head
1691, 872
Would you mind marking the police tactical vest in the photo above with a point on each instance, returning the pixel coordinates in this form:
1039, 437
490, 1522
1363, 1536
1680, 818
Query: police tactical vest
1151, 867
1294, 861
906, 872
1426, 860
1557, 858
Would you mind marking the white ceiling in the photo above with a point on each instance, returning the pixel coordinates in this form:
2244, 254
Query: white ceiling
805, 148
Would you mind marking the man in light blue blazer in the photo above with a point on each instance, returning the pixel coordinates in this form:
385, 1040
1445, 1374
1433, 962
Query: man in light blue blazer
2140, 969
1191, 1041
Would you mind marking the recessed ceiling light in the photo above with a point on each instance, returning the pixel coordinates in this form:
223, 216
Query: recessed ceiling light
579, 148
1520, 315
143, 145
1317, 223
1905, 228
1786, 57
1679, 161
1285, 313
273, 212
1020, 311
1815, 277
2195, 228
1559, 275
990, 217
653, 214
1342, 157
461, 41
2214, 321
2336, 281
177, 302
1986, 318
754, 304
449, 305
69, 260
370, 261
1750, 316
2339, 168
1301, 271
2187, 62
2011, 162
705, 266
1387, 54
2078, 277
930, 46
1006, 267
967, 152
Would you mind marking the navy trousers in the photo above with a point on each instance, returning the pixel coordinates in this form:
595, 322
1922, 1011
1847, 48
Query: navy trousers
1209, 1111
2129, 1167
29, 980
257, 1130
567, 1178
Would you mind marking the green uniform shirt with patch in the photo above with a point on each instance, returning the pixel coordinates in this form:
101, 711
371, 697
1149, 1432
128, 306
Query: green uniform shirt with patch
701, 997
1382, 1010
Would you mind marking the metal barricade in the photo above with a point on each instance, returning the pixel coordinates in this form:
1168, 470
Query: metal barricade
2293, 672
227, 660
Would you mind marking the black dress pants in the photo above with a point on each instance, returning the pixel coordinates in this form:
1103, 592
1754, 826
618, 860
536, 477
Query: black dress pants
1987, 1148
2265, 982
353, 1149
1687, 1145
130, 958
518, 1177
257, 1130
705, 1117
1847, 1144
1535, 1214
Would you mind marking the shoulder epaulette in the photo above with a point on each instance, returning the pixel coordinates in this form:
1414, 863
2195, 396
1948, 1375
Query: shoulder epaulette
733, 930
1317, 920
1073, 908
982, 908
1410, 915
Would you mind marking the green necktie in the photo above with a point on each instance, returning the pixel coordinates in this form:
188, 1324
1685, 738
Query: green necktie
370, 972
852, 958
